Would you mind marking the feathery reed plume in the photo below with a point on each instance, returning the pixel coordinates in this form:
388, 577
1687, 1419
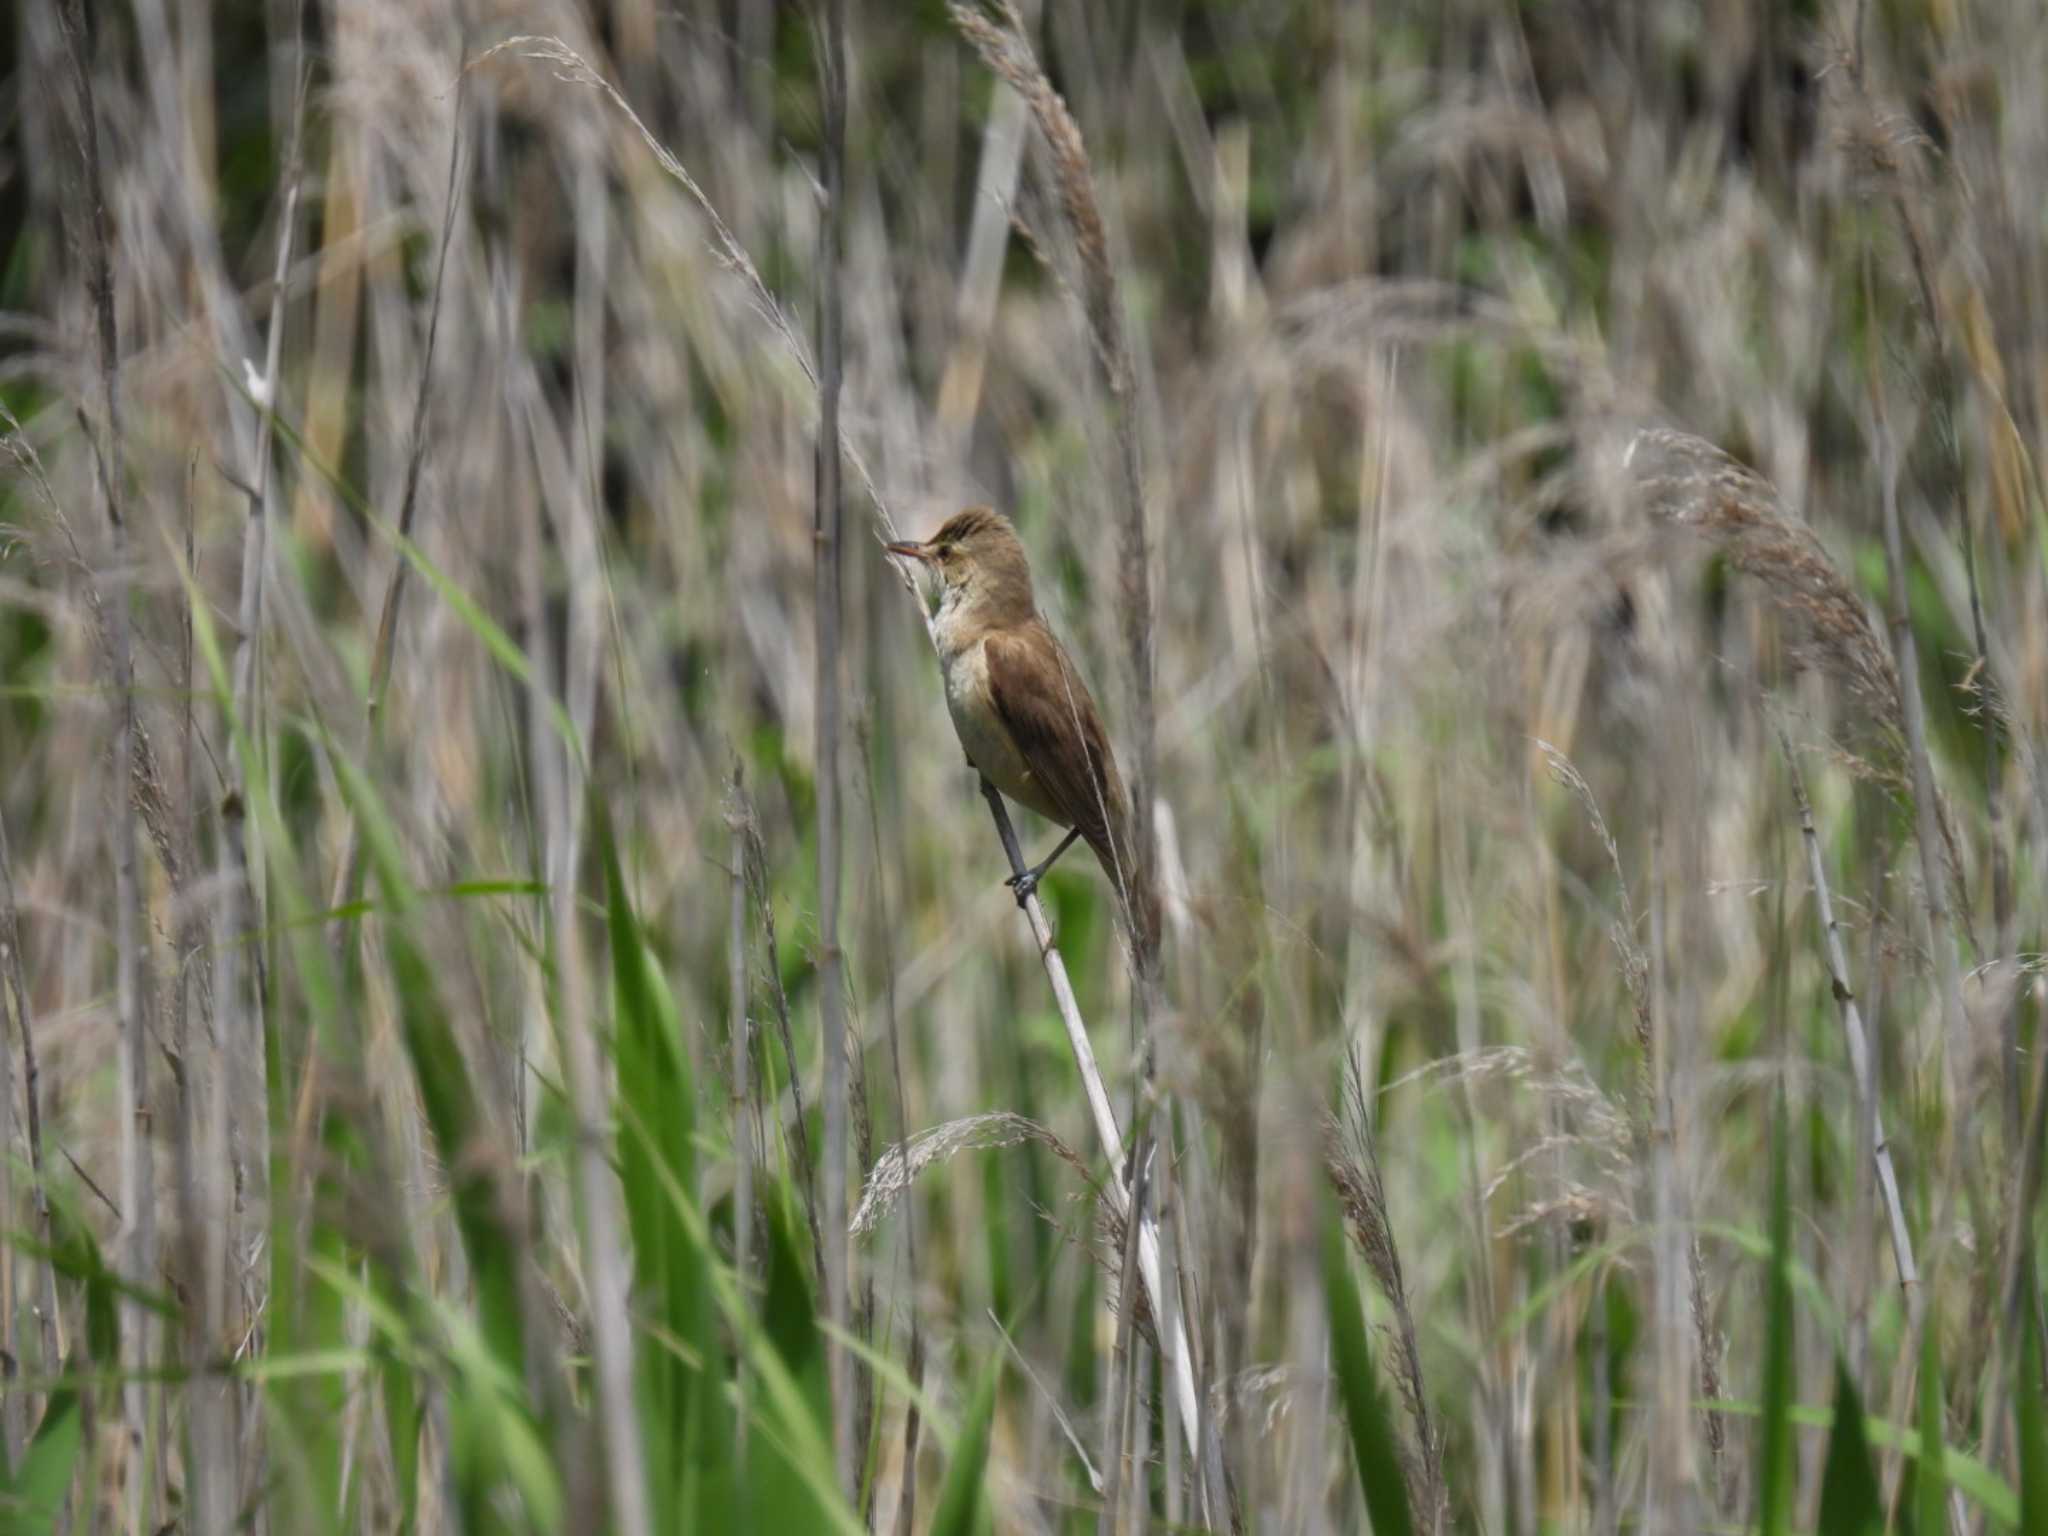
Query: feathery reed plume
1688, 482
898, 1166
1635, 966
1351, 1155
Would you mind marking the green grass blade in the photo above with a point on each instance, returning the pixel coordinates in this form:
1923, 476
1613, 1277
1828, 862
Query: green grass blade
1774, 1481
1851, 1503
689, 1429
2033, 1437
35, 1494
1930, 1478
1964, 1471
962, 1507
1373, 1445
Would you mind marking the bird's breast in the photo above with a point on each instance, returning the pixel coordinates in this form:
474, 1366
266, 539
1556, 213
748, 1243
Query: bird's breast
987, 740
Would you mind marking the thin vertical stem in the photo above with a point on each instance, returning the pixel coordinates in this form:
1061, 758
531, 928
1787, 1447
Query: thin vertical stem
348, 868
137, 1169
17, 990
742, 1078
831, 1002
1862, 1066
1198, 1434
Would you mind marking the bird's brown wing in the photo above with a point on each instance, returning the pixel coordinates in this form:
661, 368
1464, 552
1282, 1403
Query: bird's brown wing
1053, 720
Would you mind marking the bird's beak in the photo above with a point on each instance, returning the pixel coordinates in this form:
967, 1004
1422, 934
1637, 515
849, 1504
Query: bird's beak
910, 551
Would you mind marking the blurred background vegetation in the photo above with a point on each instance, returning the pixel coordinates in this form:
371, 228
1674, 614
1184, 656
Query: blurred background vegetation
1589, 456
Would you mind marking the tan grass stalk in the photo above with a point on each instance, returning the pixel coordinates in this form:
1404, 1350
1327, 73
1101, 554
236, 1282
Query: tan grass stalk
348, 868
884, 928
16, 980
607, 1276
826, 695
1926, 809
14, 1419
138, 1258
240, 985
981, 274
1052, 1404
1862, 1067
1650, 1111
1118, 1401
1179, 1354
1892, 158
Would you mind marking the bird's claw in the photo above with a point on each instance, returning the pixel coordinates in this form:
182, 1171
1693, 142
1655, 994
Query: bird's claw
1023, 885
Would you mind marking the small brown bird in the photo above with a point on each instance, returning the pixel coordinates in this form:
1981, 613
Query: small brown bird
1023, 714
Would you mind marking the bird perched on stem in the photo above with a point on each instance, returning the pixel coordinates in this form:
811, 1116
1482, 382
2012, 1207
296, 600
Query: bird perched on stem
1023, 714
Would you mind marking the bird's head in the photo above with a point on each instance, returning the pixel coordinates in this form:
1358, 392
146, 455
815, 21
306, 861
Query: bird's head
980, 562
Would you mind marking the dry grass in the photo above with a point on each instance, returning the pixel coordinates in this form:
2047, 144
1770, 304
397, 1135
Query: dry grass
1456, 441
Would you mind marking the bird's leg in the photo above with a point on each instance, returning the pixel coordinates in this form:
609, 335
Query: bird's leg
1027, 882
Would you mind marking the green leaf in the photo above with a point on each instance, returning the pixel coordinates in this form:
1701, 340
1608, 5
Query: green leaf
786, 1489
1930, 1479
2033, 1440
35, 1495
1373, 1445
1851, 1503
1966, 1472
688, 1420
1774, 1482
962, 1507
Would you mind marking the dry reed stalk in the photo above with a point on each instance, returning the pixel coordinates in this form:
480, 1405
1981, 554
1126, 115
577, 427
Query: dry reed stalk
1927, 816
1668, 1492
14, 1409
348, 868
1119, 1401
24, 1023
1890, 156
1862, 1066
202, 1161
1179, 1354
826, 697
138, 1196
558, 774
906, 1504
1052, 1405
235, 1452
981, 274
1635, 971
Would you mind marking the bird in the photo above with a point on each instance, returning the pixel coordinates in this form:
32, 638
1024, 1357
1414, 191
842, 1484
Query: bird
1024, 715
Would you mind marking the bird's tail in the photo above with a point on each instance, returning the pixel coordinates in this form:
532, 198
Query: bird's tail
1137, 891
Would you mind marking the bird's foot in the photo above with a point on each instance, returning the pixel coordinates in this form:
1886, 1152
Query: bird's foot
1024, 885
